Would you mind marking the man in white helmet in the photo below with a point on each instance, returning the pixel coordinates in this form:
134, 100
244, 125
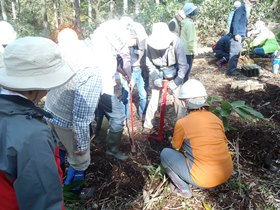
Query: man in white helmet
199, 154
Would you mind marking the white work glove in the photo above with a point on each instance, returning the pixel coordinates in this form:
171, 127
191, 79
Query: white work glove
172, 86
237, 37
158, 82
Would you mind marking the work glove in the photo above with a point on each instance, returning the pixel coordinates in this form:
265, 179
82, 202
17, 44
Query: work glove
237, 37
172, 86
158, 82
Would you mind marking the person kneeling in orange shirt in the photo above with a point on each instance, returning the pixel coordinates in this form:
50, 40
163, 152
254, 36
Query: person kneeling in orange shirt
200, 155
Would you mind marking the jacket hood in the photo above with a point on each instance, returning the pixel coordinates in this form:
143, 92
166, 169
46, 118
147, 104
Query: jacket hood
16, 105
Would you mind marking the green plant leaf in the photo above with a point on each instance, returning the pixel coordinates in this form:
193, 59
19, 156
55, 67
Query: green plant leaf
243, 114
226, 109
253, 112
70, 196
237, 104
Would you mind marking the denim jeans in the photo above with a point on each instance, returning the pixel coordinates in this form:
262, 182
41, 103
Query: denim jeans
234, 53
113, 109
220, 54
259, 51
175, 164
139, 82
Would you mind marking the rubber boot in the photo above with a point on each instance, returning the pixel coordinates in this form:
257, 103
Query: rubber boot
113, 145
72, 176
101, 130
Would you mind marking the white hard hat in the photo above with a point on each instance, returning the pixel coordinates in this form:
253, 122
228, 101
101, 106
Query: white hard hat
237, 4
189, 8
195, 92
192, 89
7, 33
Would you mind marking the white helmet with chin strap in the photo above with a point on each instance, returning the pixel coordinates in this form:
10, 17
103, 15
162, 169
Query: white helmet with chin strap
195, 92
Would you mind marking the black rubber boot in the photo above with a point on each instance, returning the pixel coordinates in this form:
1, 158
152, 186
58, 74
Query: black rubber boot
113, 145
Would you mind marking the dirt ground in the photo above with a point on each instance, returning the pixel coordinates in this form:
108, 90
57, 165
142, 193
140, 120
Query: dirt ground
138, 183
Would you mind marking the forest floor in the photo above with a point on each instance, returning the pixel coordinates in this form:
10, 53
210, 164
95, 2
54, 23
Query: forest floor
138, 183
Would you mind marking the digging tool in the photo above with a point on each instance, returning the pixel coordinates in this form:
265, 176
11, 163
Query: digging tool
162, 111
131, 135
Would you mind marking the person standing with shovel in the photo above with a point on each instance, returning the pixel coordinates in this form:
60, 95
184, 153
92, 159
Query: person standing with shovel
165, 60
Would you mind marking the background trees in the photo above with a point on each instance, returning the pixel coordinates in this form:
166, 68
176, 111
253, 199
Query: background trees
45, 17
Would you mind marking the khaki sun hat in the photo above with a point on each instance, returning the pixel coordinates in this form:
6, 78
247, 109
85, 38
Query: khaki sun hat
33, 63
161, 36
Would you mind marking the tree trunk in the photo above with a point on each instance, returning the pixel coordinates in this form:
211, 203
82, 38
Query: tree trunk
45, 19
89, 11
56, 11
137, 6
14, 10
4, 15
76, 6
157, 2
125, 6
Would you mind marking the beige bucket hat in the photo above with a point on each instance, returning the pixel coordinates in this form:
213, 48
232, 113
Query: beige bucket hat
33, 63
161, 36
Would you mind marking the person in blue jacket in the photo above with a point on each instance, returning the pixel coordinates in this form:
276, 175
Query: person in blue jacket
221, 49
238, 30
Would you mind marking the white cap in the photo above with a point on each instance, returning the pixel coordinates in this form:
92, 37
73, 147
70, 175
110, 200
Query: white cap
237, 4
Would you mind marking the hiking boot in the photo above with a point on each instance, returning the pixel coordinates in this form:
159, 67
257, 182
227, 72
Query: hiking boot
118, 155
221, 61
187, 193
234, 73
147, 131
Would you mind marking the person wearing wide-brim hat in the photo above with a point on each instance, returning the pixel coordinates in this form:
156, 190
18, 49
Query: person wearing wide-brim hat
29, 175
165, 59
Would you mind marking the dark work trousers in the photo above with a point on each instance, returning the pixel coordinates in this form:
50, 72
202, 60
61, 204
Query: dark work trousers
190, 62
234, 53
220, 54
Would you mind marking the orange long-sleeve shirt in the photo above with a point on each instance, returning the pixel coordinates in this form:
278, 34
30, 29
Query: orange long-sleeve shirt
205, 145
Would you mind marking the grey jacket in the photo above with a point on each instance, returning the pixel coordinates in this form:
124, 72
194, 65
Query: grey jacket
27, 154
178, 58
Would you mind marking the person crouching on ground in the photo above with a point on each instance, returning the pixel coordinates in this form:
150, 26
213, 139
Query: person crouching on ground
200, 155
265, 43
221, 50
29, 174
